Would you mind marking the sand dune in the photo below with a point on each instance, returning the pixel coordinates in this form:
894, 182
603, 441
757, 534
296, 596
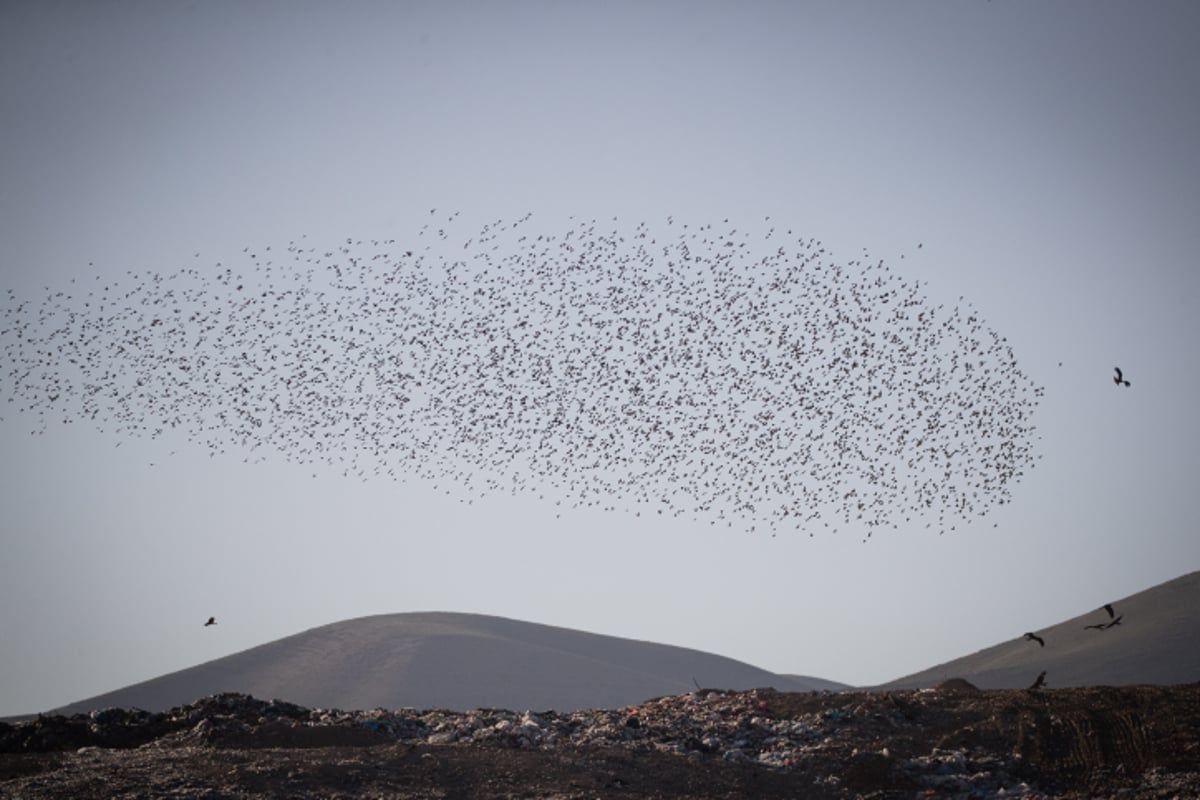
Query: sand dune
1157, 642
453, 661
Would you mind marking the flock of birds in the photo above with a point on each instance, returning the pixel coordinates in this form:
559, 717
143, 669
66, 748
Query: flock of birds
1114, 619
740, 378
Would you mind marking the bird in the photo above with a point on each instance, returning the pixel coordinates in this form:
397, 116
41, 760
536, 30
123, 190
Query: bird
1040, 682
1118, 379
1033, 637
211, 621
1113, 617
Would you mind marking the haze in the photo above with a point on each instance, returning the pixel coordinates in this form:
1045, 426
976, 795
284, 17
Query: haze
1037, 160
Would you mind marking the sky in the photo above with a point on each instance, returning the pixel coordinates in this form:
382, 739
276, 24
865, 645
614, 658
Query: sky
1036, 159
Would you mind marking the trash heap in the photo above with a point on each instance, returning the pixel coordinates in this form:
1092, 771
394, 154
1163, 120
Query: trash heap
852, 745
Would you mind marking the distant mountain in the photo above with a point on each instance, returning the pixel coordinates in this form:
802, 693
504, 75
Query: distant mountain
1156, 642
452, 661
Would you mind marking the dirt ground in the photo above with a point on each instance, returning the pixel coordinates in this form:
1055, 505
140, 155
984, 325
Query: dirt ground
1128, 742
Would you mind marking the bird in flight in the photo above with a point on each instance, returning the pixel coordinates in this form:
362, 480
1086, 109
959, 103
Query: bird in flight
211, 621
1113, 617
1119, 380
1040, 682
1033, 637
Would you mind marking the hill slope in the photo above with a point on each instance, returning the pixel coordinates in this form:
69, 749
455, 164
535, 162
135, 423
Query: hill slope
1156, 642
451, 661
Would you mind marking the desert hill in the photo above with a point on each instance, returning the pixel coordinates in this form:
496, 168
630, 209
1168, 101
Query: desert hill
452, 661
465, 661
1157, 641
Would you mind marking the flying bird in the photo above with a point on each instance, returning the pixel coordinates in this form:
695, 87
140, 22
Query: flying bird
1040, 682
1033, 637
211, 621
1114, 619
1118, 379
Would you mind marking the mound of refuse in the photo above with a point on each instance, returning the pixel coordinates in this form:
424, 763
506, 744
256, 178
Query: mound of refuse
1137, 742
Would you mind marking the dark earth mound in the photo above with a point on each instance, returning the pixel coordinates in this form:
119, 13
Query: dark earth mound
1129, 742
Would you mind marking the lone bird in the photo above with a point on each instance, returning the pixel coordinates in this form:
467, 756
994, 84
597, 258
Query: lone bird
1113, 618
1040, 682
1033, 637
211, 621
1119, 381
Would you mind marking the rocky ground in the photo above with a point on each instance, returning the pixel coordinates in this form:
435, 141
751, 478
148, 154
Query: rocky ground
953, 742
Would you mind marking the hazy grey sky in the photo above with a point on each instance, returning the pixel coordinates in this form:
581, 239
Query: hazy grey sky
1043, 154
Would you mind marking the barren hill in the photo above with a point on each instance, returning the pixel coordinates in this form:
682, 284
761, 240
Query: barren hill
452, 661
1157, 641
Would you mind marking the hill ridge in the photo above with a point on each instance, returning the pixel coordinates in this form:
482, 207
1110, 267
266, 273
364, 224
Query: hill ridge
453, 660
1156, 641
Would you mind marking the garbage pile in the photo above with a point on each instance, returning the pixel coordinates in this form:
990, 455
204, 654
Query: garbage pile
848, 745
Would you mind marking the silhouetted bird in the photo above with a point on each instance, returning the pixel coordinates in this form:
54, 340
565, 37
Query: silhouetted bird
1103, 626
211, 621
1040, 682
1033, 637
1117, 379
